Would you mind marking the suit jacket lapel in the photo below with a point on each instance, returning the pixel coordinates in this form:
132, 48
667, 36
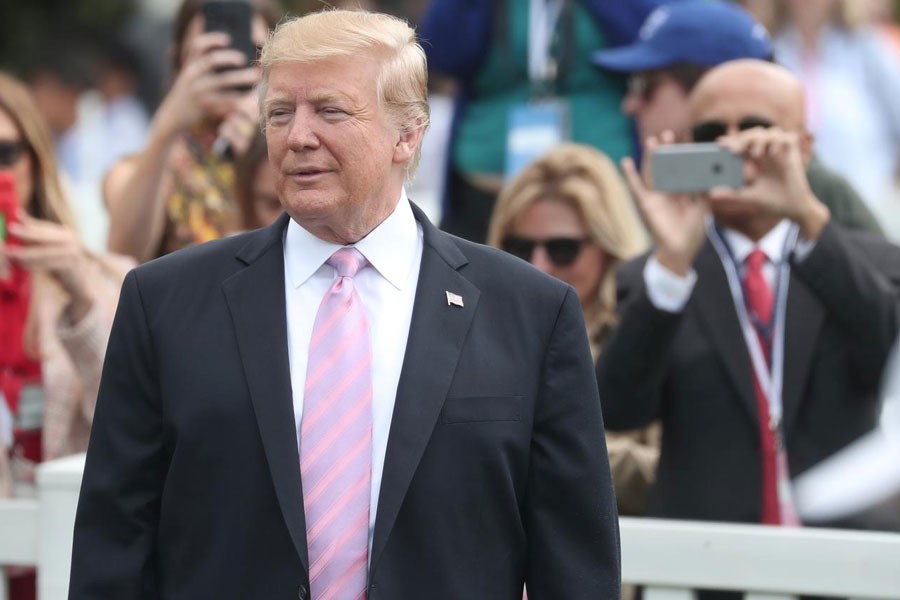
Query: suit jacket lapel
256, 299
803, 320
437, 332
715, 309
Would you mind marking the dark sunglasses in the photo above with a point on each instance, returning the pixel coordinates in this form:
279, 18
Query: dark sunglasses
10, 152
710, 131
562, 252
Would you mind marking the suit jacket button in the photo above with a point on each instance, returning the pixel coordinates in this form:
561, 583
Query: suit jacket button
302, 592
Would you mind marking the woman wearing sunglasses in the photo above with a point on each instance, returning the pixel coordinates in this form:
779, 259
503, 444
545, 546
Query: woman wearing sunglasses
569, 215
56, 302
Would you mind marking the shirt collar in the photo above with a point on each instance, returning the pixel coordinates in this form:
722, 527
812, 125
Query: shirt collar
390, 248
772, 244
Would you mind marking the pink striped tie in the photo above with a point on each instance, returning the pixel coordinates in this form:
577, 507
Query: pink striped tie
336, 438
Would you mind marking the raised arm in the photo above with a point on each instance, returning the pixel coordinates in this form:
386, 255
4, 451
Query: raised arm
136, 188
652, 296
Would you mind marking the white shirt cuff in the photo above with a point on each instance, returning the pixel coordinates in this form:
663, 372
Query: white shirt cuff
666, 290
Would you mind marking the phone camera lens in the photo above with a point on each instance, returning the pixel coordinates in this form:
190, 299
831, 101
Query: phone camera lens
717, 168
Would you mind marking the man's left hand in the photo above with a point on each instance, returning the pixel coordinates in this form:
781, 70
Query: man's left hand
775, 176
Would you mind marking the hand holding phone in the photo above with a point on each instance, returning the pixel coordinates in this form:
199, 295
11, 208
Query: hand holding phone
676, 221
235, 18
775, 164
214, 76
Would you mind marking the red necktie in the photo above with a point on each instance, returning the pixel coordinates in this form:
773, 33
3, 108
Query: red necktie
759, 304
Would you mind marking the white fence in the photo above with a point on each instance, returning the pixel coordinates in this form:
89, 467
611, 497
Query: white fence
769, 563
668, 557
39, 532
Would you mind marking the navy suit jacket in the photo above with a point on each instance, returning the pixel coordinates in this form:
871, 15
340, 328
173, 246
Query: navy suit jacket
496, 469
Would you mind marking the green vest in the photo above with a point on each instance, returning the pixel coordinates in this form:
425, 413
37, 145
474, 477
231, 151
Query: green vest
594, 97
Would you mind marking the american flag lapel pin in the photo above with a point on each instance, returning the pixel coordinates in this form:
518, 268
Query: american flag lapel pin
454, 299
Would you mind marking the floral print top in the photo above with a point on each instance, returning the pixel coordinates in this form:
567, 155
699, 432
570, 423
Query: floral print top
200, 206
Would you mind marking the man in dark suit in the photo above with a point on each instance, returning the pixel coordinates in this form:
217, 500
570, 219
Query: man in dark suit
757, 371
459, 454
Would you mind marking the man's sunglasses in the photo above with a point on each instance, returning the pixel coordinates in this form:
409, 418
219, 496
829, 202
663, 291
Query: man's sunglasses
710, 131
10, 152
562, 252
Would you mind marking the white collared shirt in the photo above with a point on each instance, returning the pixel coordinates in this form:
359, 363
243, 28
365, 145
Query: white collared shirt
772, 245
670, 292
387, 289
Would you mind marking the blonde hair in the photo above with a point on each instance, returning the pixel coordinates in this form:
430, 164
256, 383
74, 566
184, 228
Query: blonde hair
587, 180
402, 84
47, 200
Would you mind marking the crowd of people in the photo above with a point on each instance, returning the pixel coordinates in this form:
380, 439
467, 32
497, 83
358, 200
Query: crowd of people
737, 337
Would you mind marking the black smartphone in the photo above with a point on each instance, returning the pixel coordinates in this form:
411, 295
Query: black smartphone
234, 17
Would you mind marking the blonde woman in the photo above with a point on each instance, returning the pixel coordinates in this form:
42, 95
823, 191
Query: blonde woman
569, 214
56, 308
56, 303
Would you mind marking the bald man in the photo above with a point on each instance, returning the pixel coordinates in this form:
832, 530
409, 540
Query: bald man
676, 49
758, 337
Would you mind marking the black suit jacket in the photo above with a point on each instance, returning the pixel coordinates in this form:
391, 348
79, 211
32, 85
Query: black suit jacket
692, 370
495, 473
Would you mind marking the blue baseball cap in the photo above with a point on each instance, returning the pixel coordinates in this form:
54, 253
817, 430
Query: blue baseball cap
700, 32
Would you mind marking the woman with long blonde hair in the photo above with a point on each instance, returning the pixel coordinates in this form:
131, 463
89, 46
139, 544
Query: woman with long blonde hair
575, 196
569, 214
56, 302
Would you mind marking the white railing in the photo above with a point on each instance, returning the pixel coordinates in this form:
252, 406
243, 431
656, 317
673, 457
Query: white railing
766, 562
39, 532
668, 557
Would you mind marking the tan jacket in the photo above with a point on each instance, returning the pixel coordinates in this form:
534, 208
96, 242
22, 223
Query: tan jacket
71, 358
633, 456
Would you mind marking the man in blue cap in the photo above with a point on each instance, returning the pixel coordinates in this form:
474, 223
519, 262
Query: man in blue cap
677, 44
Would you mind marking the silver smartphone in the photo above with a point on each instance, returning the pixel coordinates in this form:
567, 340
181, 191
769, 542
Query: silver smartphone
695, 168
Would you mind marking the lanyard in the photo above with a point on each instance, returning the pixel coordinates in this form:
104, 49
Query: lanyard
770, 380
543, 16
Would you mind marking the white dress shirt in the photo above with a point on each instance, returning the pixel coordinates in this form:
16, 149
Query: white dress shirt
670, 292
772, 245
387, 289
